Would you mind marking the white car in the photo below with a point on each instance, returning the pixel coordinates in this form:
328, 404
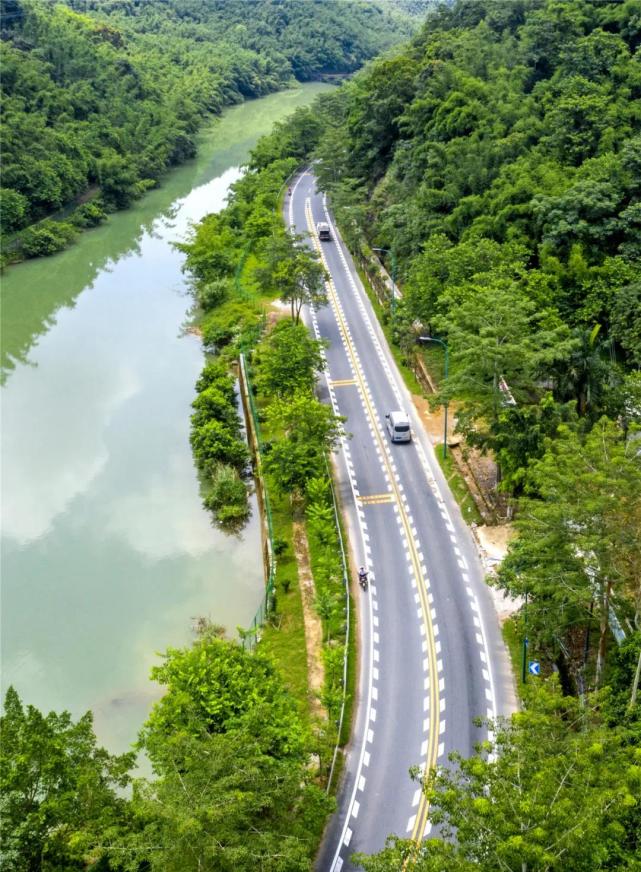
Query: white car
398, 427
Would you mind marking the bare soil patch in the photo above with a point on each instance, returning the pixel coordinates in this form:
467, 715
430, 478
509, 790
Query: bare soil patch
313, 624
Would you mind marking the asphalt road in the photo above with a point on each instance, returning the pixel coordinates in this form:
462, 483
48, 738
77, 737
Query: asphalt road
432, 658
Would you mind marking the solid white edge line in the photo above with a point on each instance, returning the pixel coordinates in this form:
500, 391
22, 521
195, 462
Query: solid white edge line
344, 838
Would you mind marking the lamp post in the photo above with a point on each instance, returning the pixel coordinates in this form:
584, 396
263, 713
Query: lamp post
525, 644
393, 259
445, 404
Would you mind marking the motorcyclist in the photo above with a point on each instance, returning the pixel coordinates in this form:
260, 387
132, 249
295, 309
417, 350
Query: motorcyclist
362, 577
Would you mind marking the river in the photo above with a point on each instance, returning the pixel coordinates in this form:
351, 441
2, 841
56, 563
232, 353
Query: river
107, 553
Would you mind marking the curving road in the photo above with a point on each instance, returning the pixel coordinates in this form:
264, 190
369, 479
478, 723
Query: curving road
432, 658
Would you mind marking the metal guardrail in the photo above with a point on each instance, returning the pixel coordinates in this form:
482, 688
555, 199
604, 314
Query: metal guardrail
347, 621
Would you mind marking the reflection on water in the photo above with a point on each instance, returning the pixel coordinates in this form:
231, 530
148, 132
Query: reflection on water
107, 554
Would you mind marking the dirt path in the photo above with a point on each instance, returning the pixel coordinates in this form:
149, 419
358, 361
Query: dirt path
313, 625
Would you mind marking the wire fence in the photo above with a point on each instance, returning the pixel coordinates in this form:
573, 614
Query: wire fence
251, 636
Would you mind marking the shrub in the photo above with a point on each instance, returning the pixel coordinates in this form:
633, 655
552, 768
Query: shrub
280, 545
48, 237
228, 496
212, 294
213, 443
89, 214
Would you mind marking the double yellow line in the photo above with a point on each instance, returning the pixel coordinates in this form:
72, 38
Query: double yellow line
433, 694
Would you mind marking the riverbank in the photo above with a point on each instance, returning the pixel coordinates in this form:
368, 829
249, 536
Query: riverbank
106, 532
309, 629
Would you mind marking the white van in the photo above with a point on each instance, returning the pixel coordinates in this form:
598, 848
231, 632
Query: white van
322, 228
398, 427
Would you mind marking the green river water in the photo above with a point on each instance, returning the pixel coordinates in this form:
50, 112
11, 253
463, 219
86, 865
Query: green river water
107, 554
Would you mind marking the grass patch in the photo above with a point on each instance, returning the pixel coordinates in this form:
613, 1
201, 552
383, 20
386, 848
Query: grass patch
513, 638
283, 636
458, 486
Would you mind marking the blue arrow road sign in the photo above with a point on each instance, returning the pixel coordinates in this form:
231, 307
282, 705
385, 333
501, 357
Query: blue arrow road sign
534, 667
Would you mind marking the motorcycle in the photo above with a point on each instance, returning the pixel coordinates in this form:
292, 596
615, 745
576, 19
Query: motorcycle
362, 580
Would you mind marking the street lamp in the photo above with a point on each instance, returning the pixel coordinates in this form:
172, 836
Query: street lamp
393, 259
525, 643
445, 404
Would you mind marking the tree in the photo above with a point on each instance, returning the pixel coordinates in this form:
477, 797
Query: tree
519, 435
13, 207
626, 322
578, 545
310, 429
61, 792
293, 272
495, 338
220, 802
216, 687
290, 360
553, 790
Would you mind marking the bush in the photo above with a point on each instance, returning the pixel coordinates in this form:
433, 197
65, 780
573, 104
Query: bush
213, 442
212, 294
48, 237
89, 214
228, 496
280, 546
13, 208
229, 320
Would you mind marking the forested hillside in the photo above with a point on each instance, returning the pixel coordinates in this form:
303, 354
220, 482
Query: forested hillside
498, 158
100, 98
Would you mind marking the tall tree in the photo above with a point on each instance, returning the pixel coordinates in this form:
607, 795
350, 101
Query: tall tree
290, 360
578, 547
497, 346
61, 792
309, 430
293, 272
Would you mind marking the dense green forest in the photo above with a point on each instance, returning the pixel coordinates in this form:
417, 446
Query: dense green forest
227, 748
100, 98
497, 156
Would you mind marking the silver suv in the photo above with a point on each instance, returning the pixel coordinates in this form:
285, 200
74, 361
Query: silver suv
398, 427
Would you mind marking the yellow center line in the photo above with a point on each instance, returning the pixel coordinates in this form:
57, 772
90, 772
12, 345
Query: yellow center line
433, 696
377, 498
342, 383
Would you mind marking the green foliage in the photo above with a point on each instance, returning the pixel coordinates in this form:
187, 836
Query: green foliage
577, 554
211, 295
217, 687
498, 156
291, 271
290, 360
310, 430
111, 94
47, 237
626, 321
60, 791
526, 807
13, 208
222, 802
89, 214
215, 442
219, 450
227, 496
